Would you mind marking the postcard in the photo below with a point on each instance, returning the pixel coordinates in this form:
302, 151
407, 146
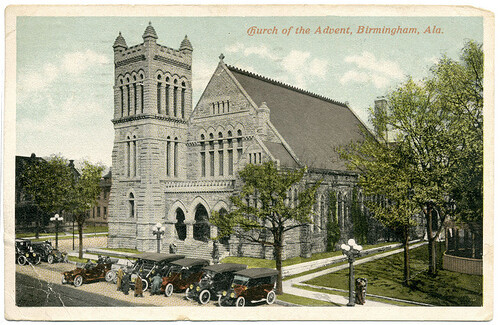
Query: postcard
253, 162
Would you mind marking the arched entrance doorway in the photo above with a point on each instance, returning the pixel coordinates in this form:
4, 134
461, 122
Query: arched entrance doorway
201, 227
180, 226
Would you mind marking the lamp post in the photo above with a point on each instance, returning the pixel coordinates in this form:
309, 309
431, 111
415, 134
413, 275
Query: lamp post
158, 230
351, 250
56, 218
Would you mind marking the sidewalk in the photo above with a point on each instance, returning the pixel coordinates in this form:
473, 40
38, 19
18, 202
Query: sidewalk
337, 299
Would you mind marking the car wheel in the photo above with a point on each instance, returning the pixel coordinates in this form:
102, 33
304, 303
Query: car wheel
240, 302
78, 280
50, 259
145, 285
63, 280
188, 297
169, 289
204, 297
38, 259
271, 297
110, 276
21, 260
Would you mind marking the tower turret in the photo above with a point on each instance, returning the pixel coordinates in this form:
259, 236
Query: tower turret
149, 34
186, 46
120, 43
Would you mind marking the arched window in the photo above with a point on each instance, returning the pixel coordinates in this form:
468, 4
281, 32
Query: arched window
167, 96
212, 154
128, 99
183, 98
168, 156
134, 157
203, 156
158, 95
221, 155
135, 97
131, 205
176, 156
229, 153
295, 197
239, 141
127, 157
122, 103
176, 89
141, 93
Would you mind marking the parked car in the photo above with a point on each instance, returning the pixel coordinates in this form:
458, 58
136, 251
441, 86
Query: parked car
251, 285
25, 253
48, 253
89, 272
183, 273
148, 264
215, 279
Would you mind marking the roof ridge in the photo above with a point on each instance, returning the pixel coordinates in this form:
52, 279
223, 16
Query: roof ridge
285, 85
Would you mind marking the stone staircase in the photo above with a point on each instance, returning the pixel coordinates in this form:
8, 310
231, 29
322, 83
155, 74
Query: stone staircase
199, 249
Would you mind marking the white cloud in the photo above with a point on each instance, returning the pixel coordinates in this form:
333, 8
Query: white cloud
379, 72
73, 63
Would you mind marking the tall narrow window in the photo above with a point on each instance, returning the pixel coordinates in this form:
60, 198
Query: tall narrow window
168, 155
135, 98
212, 155
122, 104
213, 108
158, 97
239, 141
142, 98
221, 155
260, 157
183, 101
131, 205
127, 158
202, 156
175, 101
218, 107
176, 157
128, 99
227, 105
133, 166
230, 154
167, 98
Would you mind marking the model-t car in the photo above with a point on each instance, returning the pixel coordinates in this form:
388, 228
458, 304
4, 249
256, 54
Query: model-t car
25, 253
182, 273
89, 272
148, 264
215, 279
251, 285
48, 253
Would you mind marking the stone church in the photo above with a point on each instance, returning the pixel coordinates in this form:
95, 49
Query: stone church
174, 164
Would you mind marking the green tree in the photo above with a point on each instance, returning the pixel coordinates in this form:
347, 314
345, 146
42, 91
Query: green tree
84, 193
360, 220
383, 171
332, 224
48, 183
267, 221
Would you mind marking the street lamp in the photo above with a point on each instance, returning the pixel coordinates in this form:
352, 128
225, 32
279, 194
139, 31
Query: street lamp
158, 230
56, 218
351, 250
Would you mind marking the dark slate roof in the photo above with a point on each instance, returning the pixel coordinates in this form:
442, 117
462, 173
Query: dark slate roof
158, 257
259, 272
311, 124
188, 262
279, 152
186, 44
225, 267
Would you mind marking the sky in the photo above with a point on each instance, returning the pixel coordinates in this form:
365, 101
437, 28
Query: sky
64, 100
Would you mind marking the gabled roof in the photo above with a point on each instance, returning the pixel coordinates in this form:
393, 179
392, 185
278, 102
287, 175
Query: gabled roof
311, 124
279, 152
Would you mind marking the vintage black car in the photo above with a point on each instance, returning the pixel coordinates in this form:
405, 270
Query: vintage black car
48, 253
89, 272
25, 253
148, 264
183, 273
215, 279
251, 285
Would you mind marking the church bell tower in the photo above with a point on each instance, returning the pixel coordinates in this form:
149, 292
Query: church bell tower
152, 104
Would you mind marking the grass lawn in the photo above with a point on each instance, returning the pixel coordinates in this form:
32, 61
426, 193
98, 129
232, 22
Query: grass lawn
385, 277
32, 234
259, 262
79, 260
124, 250
304, 301
90, 229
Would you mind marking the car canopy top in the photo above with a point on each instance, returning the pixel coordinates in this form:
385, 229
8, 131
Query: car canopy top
188, 262
259, 272
157, 257
225, 267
